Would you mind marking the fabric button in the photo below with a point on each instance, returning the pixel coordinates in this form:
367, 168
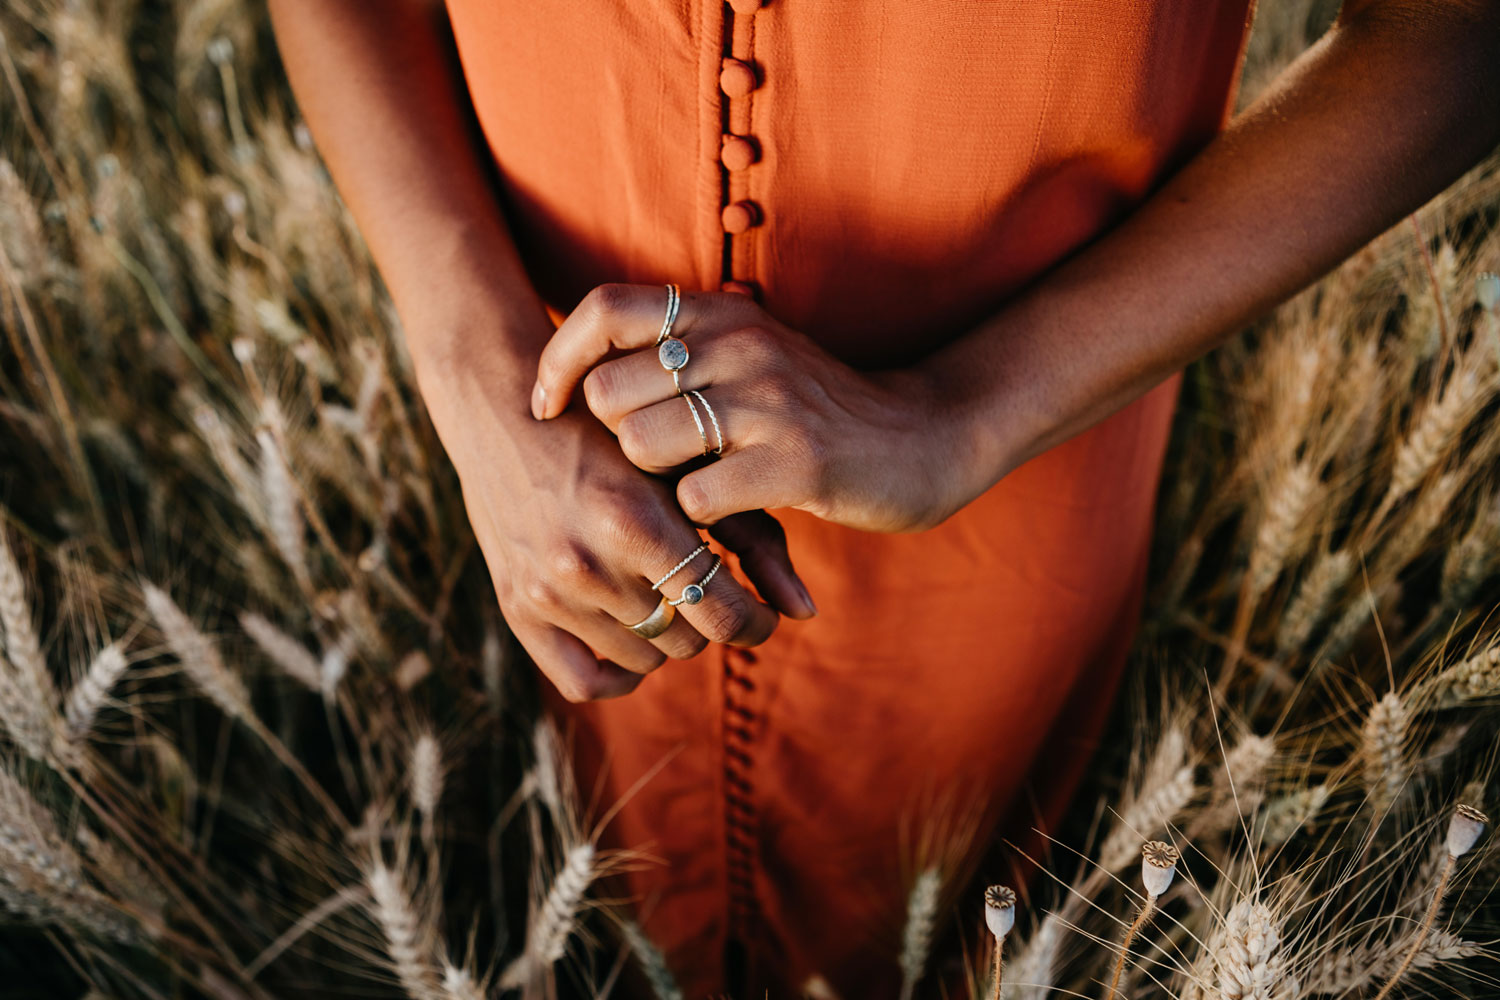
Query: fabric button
738, 152
741, 288
745, 6
737, 78
739, 216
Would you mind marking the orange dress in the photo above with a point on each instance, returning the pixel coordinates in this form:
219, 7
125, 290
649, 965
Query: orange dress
881, 176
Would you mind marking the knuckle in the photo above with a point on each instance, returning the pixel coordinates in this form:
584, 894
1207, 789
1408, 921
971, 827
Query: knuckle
650, 661
724, 620
630, 529
580, 689
608, 299
694, 499
599, 389
634, 436
540, 593
572, 564
755, 344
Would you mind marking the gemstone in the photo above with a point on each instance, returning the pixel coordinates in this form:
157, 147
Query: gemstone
692, 594
673, 354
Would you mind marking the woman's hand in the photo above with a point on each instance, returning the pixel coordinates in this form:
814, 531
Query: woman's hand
574, 536
798, 427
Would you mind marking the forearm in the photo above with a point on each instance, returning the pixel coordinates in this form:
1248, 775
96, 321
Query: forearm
1379, 116
381, 90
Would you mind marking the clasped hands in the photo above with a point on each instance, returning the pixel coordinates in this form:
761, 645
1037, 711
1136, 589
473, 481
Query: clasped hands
575, 546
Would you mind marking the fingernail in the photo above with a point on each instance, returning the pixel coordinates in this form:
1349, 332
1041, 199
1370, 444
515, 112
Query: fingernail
806, 597
538, 401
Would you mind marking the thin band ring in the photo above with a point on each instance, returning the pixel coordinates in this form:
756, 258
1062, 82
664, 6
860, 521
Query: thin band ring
656, 622
673, 300
718, 434
697, 421
678, 568
693, 592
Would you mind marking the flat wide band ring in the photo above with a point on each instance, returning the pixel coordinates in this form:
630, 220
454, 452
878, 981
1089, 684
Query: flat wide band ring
674, 299
656, 622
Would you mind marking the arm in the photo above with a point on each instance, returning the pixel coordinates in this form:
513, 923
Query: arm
1390, 106
1387, 108
572, 534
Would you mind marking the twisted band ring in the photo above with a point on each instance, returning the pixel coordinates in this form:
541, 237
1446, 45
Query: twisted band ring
673, 300
718, 434
693, 592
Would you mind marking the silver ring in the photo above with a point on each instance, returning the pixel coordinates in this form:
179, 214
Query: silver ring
673, 354
678, 568
693, 592
697, 421
656, 622
673, 300
718, 434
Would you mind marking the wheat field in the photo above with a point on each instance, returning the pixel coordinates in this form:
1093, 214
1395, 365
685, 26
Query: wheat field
263, 733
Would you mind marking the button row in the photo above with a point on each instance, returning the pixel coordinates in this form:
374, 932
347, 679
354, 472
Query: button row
737, 79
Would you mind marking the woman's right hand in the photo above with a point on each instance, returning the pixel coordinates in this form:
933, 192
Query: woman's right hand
574, 536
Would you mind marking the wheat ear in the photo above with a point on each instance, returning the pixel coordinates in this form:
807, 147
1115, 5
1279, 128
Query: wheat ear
916, 939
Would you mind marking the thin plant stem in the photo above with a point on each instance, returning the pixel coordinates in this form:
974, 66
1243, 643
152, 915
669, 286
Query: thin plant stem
1147, 908
999, 966
1416, 946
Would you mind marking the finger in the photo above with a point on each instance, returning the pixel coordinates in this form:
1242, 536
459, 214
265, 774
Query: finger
610, 641
624, 317
567, 663
728, 613
754, 478
665, 435
681, 640
759, 541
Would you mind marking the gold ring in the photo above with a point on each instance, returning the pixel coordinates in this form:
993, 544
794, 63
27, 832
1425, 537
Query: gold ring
656, 622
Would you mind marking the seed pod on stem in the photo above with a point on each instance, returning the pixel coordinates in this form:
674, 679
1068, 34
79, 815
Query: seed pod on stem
1158, 866
999, 917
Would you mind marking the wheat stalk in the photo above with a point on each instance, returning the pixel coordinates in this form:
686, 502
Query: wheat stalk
921, 918
91, 692
408, 939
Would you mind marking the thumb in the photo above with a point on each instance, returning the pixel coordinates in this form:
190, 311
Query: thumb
759, 541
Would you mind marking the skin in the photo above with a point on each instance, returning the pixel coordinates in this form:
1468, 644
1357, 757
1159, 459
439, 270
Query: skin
1387, 109
1289, 189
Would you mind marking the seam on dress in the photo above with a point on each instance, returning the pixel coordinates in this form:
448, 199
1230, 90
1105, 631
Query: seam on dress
1041, 122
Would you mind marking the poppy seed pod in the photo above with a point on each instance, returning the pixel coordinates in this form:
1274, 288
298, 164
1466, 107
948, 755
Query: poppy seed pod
999, 910
1464, 829
1158, 865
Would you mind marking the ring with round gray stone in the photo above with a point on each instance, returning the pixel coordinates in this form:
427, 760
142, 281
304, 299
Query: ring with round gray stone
693, 592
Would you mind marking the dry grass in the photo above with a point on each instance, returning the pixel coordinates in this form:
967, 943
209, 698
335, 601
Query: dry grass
264, 734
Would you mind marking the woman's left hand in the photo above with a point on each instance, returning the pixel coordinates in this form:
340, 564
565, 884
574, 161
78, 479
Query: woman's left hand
875, 451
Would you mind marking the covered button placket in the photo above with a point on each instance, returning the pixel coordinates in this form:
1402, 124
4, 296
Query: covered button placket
740, 150
740, 215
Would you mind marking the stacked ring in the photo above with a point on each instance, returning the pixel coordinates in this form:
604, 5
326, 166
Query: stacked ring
697, 421
679, 567
693, 592
718, 434
673, 300
656, 622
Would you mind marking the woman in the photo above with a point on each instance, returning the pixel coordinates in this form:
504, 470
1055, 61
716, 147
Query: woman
940, 266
